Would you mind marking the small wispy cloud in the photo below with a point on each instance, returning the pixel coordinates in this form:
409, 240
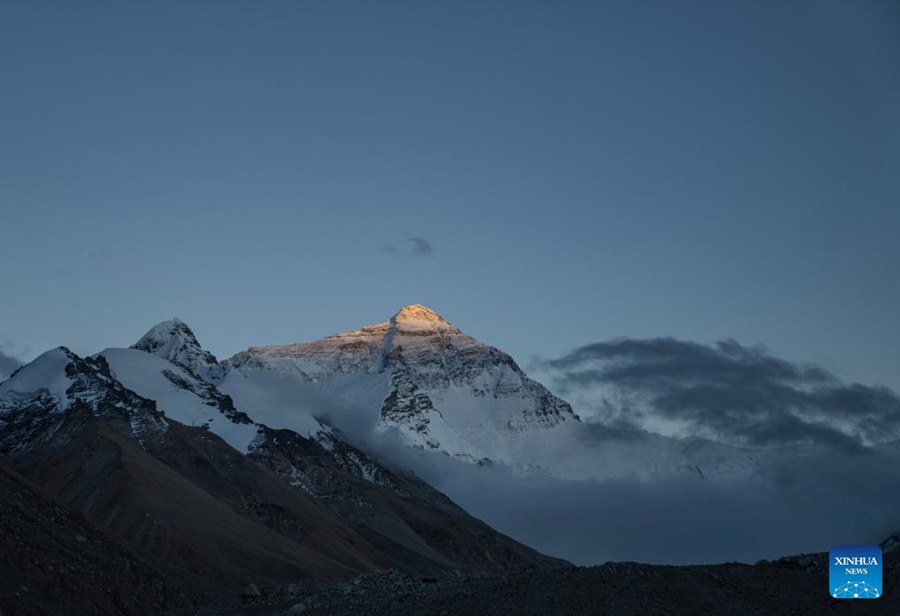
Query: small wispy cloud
410, 247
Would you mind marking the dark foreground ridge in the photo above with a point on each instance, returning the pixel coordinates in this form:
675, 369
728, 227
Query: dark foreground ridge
794, 585
56, 562
53, 561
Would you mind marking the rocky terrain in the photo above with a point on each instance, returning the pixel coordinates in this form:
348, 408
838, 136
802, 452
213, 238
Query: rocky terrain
53, 561
790, 586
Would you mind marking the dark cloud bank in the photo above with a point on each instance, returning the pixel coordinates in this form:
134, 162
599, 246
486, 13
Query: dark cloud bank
839, 492
727, 392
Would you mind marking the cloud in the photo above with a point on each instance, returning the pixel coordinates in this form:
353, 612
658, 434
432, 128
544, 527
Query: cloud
410, 247
799, 506
725, 392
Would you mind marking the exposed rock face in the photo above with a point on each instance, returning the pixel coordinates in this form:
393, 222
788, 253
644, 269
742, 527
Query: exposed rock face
443, 389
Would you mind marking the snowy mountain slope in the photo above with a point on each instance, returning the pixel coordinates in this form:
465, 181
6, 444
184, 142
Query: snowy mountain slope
188, 387
59, 382
443, 390
181, 395
148, 367
187, 390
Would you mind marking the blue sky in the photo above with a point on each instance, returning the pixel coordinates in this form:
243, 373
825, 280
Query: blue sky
543, 174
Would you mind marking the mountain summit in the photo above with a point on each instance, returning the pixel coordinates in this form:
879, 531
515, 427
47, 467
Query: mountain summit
418, 314
415, 372
174, 341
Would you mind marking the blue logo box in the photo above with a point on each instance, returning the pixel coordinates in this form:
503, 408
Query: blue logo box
854, 572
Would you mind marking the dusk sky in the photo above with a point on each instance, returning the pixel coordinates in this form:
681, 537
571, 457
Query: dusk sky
545, 175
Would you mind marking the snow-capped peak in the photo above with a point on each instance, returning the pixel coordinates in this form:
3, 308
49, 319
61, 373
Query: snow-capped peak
174, 341
418, 317
415, 320
419, 314
442, 389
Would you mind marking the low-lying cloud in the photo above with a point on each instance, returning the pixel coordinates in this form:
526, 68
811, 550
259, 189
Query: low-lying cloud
726, 392
803, 505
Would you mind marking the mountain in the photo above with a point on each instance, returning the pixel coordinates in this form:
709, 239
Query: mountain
174, 492
157, 456
444, 391
441, 389
391, 509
